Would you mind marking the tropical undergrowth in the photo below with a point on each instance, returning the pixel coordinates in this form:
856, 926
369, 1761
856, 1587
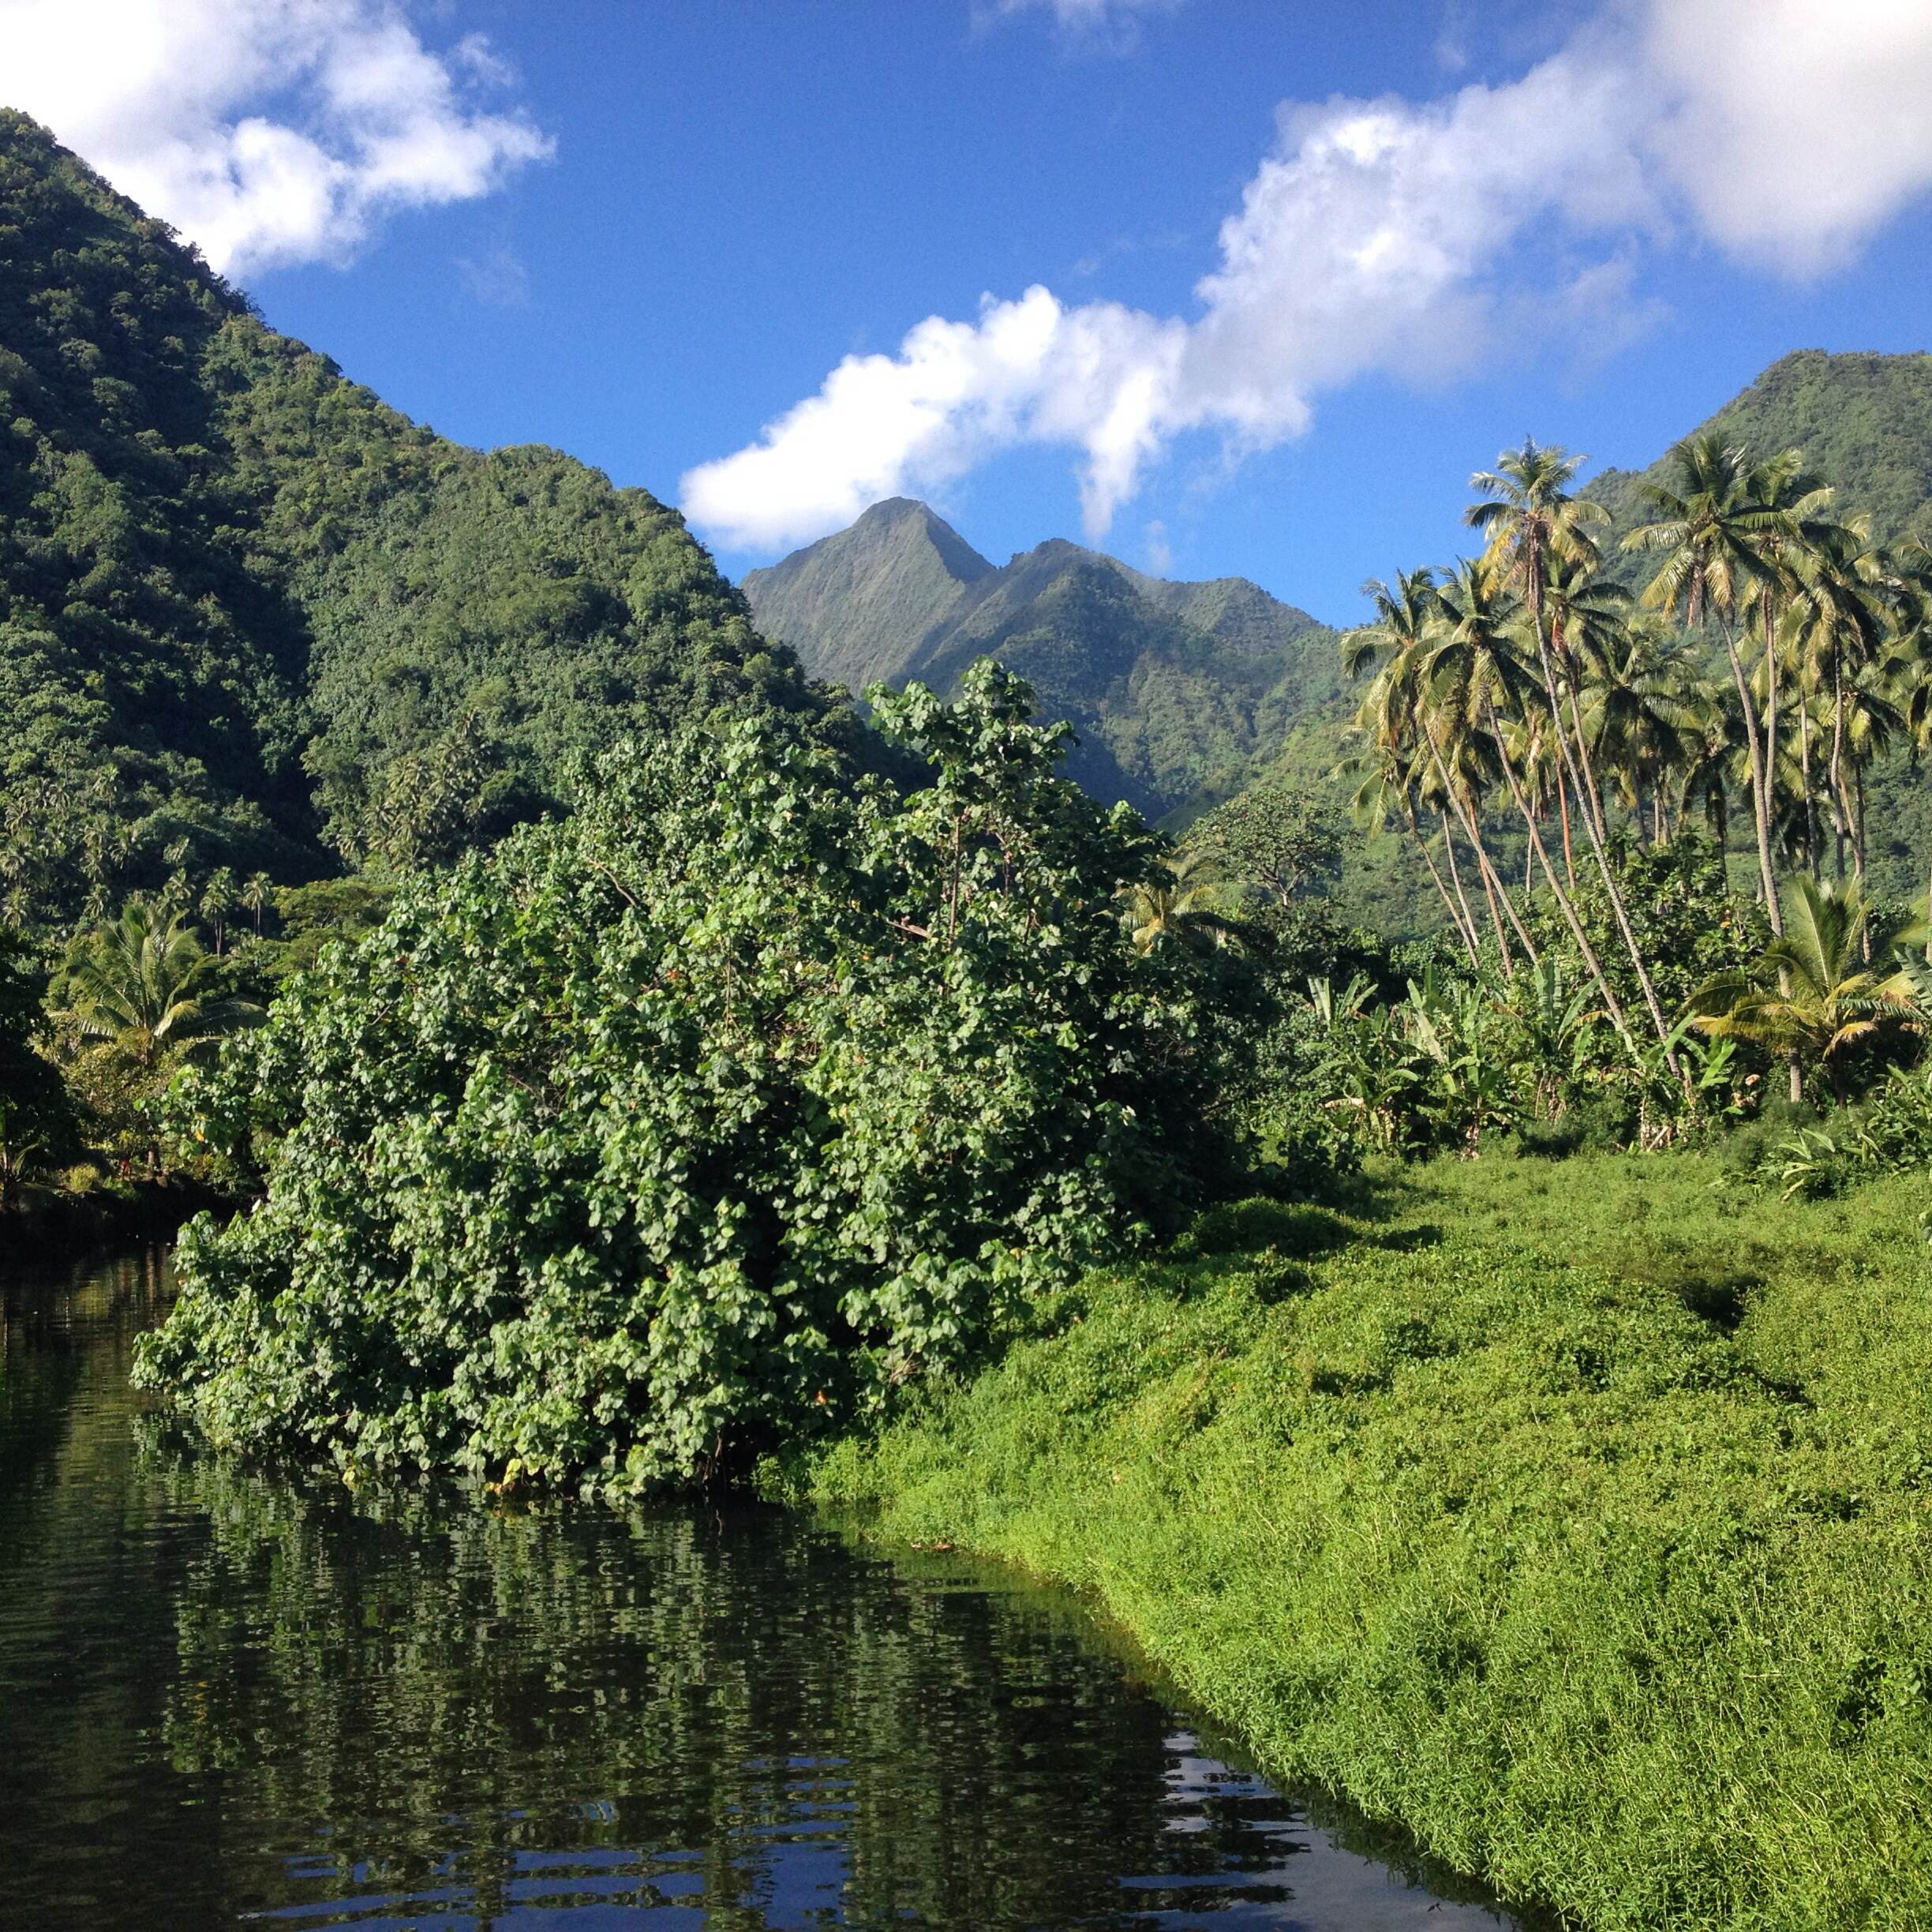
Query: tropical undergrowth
1572, 1521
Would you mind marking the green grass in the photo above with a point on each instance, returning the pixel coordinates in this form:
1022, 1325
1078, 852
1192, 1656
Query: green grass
1578, 1517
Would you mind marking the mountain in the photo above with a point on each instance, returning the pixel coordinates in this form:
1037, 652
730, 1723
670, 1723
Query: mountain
1863, 421
865, 598
252, 618
1174, 687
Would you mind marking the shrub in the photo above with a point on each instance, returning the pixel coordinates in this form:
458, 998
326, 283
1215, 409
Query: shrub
699, 1119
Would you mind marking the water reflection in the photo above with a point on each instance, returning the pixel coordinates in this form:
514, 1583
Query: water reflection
225, 1697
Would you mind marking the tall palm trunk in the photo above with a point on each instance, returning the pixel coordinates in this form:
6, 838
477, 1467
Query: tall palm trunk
1804, 781
1501, 895
1837, 775
1435, 873
1612, 1004
1456, 874
1760, 804
1534, 573
1563, 811
1492, 887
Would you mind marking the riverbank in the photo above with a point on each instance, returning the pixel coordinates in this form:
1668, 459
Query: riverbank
42, 1226
1577, 1518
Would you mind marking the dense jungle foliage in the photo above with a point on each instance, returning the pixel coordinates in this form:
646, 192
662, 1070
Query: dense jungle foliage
252, 620
702, 1118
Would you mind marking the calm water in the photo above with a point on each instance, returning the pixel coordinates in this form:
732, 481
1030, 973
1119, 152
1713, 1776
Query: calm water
227, 1697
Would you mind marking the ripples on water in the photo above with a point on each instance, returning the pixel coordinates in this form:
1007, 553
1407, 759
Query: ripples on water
226, 1697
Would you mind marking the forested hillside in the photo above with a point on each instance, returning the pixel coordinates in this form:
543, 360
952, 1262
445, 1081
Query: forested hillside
1174, 688
1865, 421
252, 620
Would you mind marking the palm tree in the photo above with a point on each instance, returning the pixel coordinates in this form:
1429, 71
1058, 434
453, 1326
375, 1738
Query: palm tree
1811, 995
1468, 663
1385, 769
1193, 903
220, 895
1642, 714
1532, 521
1836, 624
1710, 532
256, 895
143, 982
1791, 502
1392, 719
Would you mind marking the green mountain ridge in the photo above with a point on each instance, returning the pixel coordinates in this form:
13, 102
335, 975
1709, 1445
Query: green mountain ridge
252, 618
1174, 688
1864, 420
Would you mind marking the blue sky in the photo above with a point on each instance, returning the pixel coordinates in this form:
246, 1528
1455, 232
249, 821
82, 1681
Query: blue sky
648, 232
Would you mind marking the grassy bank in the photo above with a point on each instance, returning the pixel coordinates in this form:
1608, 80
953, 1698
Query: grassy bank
1578, 1517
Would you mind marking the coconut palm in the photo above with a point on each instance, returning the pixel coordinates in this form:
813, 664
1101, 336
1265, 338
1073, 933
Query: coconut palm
1194, 903
256, 895
1642, 712
1793, 506
1710, 530
1532, 520
1393, 722
1468, 675
1811, 993
1836, 622
143, 981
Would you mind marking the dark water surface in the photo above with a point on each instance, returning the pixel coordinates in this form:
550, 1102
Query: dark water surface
225, 1697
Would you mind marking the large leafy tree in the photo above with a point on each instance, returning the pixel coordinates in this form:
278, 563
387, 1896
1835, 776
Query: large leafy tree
716, 1111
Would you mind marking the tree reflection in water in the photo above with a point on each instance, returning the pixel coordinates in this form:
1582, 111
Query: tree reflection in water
222, 1693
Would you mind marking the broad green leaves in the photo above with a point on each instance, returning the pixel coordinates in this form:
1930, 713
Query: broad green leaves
702, 1118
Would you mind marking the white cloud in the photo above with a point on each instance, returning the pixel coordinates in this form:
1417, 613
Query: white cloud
1398, 237
1795, 128
268, 132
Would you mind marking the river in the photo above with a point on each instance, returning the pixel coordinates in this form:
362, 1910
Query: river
228, 1696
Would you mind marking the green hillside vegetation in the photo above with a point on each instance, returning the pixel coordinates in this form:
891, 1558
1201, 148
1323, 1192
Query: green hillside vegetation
634, 1072
1453, 1496
253, 620
1174, 688
1865, 420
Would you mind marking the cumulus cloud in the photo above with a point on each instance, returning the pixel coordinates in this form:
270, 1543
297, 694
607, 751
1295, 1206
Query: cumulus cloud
268, 132
1398, 238
1794, 128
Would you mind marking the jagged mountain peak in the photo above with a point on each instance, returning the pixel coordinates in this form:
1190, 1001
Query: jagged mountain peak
1167, 684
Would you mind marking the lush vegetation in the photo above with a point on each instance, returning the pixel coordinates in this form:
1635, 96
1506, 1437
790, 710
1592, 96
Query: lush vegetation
706, 1117
251, 621
1605, 1600
639, 1065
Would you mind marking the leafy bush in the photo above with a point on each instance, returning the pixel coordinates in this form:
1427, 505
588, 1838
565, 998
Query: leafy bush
706, 1116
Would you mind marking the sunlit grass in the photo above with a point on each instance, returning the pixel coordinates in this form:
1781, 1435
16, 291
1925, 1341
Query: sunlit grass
1579, 1516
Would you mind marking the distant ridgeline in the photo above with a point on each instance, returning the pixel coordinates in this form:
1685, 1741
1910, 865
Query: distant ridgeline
252, 617
1174, 688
